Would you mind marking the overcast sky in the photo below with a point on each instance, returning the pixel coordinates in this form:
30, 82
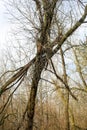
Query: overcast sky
4, 26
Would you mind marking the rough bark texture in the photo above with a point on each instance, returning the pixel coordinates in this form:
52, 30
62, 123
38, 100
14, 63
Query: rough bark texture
39, 65
42, 56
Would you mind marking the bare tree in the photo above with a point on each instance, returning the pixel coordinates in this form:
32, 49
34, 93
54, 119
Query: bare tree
47, 47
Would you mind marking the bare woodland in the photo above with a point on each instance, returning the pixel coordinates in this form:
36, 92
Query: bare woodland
43, 75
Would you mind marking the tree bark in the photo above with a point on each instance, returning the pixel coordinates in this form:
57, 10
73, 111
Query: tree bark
39, 65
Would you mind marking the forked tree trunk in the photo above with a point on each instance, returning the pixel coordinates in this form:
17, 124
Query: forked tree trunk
40, 61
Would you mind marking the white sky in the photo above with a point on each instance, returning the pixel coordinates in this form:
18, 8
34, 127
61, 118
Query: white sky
4, 26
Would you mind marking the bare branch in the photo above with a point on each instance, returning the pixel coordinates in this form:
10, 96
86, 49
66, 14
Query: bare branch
17, 75
69, 32
58, 77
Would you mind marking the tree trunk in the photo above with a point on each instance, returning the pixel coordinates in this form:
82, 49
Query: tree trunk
67, 92
39, 65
